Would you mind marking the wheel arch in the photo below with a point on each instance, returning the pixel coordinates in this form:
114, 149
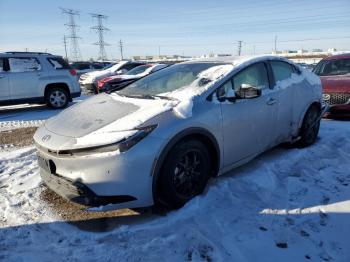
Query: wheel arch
58, 85
198, 133
314, 103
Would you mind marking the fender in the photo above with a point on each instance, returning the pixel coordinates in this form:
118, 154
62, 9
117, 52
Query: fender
199, 132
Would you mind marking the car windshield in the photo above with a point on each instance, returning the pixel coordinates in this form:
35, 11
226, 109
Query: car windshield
108, 66
138, 70
176, 77
333, 67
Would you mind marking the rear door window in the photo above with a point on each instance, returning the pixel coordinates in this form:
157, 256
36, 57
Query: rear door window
23, 64
58, 63
281, 70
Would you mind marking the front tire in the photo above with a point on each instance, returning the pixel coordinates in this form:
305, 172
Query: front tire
310, 127
57, 98
185, 173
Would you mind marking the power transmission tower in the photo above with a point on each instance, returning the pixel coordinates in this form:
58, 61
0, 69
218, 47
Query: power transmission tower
239, 48
121, 49
100, 29
72, 27
65, 46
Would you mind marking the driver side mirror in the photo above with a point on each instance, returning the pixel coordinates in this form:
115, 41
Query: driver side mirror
247, 91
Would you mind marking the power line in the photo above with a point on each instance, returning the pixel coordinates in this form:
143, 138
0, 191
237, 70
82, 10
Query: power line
100, 29
72, 27
245, 43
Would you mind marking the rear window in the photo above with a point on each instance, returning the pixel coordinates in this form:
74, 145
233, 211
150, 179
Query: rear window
58, 63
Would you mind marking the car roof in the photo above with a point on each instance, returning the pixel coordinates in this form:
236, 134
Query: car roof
25, 54
338, 56
238, 60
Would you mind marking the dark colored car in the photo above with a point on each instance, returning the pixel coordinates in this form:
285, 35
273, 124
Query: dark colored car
85, 67
119, 81
334, 72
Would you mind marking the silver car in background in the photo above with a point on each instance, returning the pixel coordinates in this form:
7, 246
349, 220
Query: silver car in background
164, 136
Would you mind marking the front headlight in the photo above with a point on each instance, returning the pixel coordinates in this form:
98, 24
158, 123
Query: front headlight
121, 146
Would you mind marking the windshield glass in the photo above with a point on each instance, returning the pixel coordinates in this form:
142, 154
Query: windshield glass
176, 77
138, 70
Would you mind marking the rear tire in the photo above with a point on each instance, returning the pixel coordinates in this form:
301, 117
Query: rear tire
184, 174
57, 98
310, 127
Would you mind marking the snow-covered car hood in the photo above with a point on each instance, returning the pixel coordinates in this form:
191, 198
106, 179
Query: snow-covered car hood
102, 119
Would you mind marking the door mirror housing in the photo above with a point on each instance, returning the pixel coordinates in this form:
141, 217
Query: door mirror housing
247, 91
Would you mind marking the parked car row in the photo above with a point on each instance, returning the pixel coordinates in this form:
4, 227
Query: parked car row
85, 67
162, 137
89, 80
119, 81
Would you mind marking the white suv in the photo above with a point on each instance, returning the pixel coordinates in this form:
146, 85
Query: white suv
27, 77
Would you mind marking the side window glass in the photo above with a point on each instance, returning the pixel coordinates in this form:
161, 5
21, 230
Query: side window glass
58, 63
2, 69
255, 75
337, 67
18, 65
225, 90
281, 70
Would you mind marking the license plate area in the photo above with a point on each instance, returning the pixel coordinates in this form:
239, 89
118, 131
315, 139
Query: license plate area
44, 164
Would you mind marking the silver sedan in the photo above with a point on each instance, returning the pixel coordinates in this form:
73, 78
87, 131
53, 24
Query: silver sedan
163, 137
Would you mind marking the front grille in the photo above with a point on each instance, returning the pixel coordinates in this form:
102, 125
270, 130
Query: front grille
336, 98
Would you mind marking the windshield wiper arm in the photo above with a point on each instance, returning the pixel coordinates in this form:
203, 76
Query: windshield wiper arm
166, 97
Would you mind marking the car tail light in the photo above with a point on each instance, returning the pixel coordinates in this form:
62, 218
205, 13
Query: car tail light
73, 72
101, 82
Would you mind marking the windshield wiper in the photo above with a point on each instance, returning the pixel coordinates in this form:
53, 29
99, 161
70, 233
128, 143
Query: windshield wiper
147, 96
166, 97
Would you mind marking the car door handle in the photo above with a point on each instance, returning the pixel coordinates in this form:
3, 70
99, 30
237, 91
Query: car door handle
271, 101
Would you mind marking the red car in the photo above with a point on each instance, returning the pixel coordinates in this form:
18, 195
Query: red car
334, 72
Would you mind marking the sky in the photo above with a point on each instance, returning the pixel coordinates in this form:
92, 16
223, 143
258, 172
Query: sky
180, 27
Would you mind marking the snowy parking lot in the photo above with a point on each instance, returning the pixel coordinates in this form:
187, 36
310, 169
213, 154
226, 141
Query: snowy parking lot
28, 115
286, 205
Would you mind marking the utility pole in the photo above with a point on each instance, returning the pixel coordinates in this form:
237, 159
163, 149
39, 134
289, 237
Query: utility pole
239, 47
72, 27
275, 44
159, 51
100, 29
121, 49
65, 46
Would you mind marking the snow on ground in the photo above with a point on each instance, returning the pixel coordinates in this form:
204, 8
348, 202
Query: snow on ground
287, 205
28, 115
